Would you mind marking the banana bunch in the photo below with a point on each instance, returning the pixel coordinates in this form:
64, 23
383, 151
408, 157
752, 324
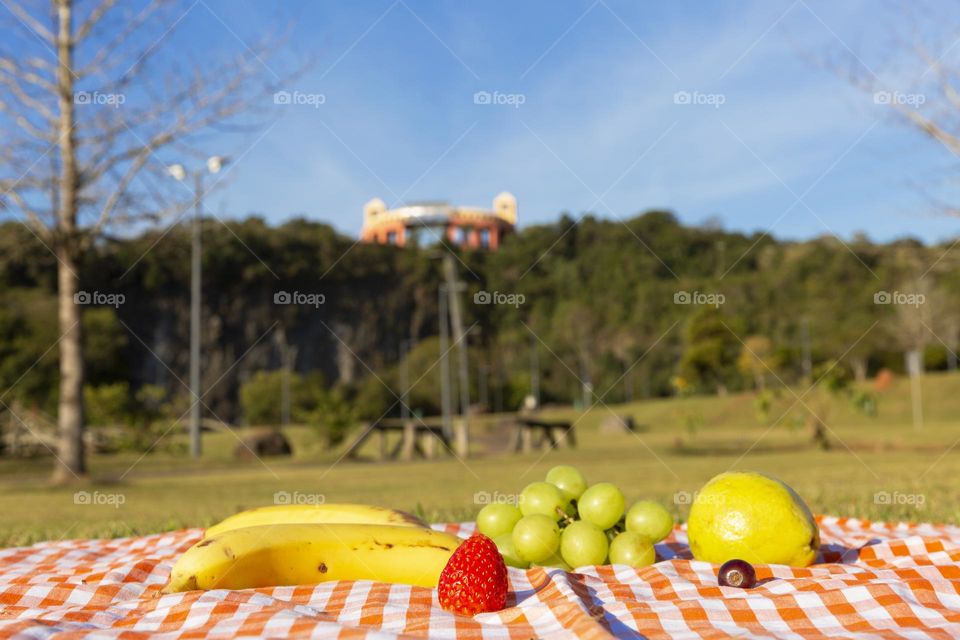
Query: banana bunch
319, 514
288, 552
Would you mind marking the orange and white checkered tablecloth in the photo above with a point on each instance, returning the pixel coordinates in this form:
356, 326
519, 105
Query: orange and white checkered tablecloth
873, 580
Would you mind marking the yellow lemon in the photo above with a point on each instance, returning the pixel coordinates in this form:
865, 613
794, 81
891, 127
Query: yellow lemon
752, 517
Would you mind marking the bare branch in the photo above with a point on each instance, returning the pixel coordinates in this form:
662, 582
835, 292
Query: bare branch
9, 191
25, 124
120, 190
29, 21
107, 58
93, 19
199, 105
37, 106
8, 64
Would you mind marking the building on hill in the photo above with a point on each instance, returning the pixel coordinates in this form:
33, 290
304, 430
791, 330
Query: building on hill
427, 223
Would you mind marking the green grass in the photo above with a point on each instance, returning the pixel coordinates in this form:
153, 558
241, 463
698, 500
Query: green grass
161, 491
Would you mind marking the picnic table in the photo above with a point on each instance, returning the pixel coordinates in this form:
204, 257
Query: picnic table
532, 432
871, 580
417, 438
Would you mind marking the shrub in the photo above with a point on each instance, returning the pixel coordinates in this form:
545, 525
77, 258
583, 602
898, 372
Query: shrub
325, 410
108, 405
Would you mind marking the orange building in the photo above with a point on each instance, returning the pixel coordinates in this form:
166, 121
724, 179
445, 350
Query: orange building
429, 222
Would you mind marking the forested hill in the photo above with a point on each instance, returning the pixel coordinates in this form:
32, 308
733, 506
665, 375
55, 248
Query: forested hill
592, 295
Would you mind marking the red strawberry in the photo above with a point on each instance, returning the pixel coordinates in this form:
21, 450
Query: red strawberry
475, 578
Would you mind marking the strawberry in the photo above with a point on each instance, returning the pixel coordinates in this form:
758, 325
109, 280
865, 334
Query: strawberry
475, 578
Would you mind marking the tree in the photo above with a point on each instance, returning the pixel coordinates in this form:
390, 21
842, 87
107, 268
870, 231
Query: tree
918, 76
575, 326
832, 382
756, 360
83, 134
710, 354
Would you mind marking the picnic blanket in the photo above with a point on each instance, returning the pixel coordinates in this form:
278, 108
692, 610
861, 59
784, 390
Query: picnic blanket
872, 580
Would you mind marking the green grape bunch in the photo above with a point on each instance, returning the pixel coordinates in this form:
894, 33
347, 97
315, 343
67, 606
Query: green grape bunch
564, 522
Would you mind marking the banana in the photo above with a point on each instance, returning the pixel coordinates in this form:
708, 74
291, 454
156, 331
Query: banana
292, 554
320, 513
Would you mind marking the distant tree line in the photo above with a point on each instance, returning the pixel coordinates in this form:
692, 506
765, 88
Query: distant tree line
603, 310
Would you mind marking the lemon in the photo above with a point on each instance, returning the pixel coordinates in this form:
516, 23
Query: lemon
752, 517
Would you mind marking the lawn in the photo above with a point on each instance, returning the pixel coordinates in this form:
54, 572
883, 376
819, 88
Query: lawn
879, 467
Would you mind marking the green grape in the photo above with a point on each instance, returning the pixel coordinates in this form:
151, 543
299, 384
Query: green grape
650, 519
505, 546
569, 480
602, 505
632, 549
554, 562
536, 537
543, 498
583, 544
497, 519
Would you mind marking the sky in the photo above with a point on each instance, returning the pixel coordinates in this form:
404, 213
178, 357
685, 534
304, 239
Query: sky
713, 110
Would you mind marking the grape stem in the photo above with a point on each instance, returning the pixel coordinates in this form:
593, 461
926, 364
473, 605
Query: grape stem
567, 520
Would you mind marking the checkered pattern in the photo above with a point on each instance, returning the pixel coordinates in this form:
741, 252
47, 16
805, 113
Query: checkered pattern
873, 579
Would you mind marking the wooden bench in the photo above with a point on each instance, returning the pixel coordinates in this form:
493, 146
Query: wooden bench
543, 434
416, 439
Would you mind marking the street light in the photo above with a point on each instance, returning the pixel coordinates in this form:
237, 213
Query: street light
177, 172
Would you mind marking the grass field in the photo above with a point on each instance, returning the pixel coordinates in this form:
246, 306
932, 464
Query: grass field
681, 443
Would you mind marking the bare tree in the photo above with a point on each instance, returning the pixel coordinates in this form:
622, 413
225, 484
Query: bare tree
918, 81
89, 107
916, 77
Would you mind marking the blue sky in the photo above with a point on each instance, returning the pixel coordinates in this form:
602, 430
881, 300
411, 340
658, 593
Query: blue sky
598, 128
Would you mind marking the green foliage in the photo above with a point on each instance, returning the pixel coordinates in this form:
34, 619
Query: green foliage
325, 410
372, 399
108, 405
711, 350
327, 413
833, 376
598, 305
28, 365
762, 404
105, 341
144, 417
516, 389
260, 397
865, 402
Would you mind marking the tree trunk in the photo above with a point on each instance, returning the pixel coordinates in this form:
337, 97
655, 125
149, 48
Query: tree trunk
817, 427
760, 381
70, 463
859, 365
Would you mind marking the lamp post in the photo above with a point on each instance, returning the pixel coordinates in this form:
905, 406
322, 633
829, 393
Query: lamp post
214, 164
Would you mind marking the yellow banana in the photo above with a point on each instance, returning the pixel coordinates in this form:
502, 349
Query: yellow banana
291, 554
318, 513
